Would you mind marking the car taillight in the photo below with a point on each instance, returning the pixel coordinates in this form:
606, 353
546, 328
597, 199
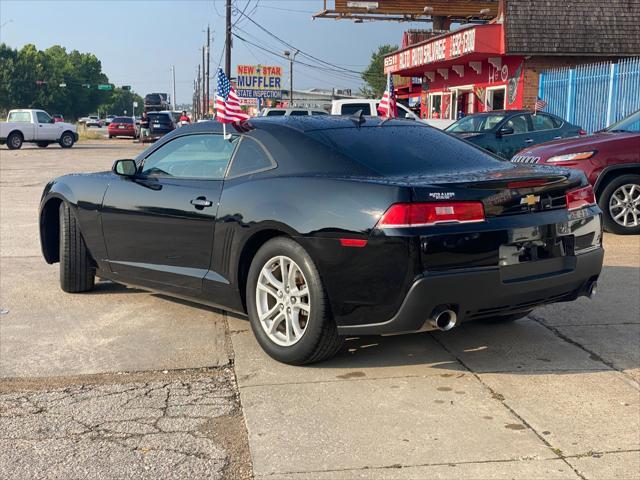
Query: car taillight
401, 215
582, 132
581, 197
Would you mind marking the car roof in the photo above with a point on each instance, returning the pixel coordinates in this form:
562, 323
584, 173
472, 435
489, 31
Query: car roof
301, 124
504, 112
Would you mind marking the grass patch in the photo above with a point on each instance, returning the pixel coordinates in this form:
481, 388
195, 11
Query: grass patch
86, 134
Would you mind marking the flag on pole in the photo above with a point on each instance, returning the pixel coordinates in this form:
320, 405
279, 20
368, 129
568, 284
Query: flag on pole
388, 107
540, 104
228, 108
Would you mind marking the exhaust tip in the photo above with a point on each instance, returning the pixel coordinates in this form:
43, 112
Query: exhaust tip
593, 290
444, 319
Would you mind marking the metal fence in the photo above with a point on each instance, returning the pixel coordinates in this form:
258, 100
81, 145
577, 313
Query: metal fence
593, 96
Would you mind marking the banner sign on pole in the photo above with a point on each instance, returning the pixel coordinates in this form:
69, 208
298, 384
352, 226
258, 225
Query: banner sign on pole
259, 81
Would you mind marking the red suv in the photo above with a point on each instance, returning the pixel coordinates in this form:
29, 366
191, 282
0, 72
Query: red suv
611, 160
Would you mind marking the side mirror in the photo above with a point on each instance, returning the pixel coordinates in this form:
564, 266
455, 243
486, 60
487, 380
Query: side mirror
125, 168
505, 131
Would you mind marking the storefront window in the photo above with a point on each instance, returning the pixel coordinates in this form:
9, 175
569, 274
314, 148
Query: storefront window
496, 98
436, 106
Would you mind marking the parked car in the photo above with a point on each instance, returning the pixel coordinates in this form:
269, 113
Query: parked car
93, 121
611, 160
369, 107
108, 119
156, 102
35, 126
291, 112
506, 132
321, 227
160, 123
57, 117
122, 127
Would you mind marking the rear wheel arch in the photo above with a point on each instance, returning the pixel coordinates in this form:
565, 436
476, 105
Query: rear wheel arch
248, 252
50, 230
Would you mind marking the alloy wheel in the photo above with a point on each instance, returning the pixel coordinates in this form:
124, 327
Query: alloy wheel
67, 140
624, 205
282, 300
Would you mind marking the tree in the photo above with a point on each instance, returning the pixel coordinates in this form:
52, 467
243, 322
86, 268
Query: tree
54, 80
373, 76
121, 101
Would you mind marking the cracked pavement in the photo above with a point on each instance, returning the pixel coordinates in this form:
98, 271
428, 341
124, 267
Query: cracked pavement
123, 383
154, 429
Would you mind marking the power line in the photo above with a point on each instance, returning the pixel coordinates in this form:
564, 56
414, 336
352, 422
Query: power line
327, 71
296, 48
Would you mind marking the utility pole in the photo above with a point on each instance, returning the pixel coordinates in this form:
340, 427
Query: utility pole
173, 76
291, 58
205, 109
208, 66
227, 44
198, 98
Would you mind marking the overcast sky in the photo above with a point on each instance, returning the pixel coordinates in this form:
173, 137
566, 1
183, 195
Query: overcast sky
139, 41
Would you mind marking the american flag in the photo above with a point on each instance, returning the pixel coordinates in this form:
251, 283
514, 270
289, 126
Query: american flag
540, 104
227, 102
388, 107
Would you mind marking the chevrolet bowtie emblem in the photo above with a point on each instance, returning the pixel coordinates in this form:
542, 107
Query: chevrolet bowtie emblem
530, 200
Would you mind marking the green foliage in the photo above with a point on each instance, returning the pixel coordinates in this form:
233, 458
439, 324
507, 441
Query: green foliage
31, 78
373, 76
120, 101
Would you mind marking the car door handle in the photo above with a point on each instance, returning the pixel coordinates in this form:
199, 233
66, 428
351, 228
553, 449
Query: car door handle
557, 138
201, 202
529, 140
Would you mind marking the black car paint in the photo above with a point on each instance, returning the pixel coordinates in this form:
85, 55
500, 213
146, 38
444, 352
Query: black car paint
147, 233
506, 146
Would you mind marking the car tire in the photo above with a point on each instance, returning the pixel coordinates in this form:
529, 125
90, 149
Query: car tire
617, 195
42, 144
110, 136
77, 271
318, 338
14, 141
67, 140
505, 318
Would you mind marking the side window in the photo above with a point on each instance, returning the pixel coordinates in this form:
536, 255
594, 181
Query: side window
276, 113
43, 117
351, 108
19, 117
203, 157
298, 113
543, 122
249, 158
313, 112
519, 124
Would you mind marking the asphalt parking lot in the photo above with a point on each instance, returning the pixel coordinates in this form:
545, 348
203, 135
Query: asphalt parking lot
124, 383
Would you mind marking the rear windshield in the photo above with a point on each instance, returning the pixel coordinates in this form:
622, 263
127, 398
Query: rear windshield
122, 120
160, 117
404, 150
353, 108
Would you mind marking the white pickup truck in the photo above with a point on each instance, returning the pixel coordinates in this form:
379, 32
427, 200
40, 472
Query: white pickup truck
35, 126
369, 107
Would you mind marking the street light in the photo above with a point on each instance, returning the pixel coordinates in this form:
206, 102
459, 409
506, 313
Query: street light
291, 58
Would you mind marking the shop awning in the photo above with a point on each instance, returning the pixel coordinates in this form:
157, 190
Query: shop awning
455, 49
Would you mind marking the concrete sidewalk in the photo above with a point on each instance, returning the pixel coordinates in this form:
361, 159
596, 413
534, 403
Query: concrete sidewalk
551, 396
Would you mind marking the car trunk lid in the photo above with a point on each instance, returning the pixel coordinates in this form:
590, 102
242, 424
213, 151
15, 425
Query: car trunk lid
503, 192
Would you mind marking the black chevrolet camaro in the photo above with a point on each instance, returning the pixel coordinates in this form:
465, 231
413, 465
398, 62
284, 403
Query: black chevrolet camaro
323, 227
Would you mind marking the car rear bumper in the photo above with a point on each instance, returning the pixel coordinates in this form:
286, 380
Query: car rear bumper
488, 292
